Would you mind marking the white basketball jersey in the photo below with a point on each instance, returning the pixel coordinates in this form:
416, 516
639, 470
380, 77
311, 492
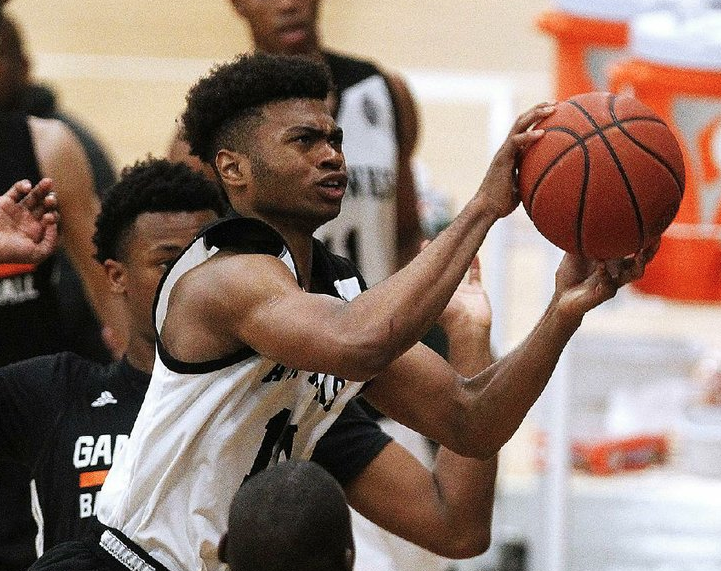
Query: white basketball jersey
365, 232
205, 427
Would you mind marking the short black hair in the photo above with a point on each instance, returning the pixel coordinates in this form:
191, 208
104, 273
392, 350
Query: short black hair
152, 185
291, 516
219, 102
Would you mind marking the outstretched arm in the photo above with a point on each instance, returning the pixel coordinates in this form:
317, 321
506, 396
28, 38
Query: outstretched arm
28, 222
447, 510
475, 416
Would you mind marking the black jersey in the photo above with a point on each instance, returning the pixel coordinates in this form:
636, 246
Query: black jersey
66, 418
29, 311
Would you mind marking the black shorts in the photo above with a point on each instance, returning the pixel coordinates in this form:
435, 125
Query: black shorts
106, 549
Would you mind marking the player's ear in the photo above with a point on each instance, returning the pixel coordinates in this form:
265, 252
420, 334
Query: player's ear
115, 271
233, 168
222, 547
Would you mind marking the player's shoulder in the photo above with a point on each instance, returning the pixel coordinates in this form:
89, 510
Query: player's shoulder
231, 254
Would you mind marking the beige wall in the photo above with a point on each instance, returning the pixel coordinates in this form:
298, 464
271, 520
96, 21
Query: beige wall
131, 99
124, 68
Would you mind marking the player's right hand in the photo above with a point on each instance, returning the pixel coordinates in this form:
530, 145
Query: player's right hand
498, 188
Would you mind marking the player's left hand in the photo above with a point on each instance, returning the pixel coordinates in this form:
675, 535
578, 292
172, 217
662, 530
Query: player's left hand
583, 284
28, 222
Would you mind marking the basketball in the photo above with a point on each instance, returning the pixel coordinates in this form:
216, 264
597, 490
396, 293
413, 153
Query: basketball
606, 179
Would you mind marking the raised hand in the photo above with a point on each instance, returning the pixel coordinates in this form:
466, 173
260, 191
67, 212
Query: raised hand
467, 323
28, 222
469, 304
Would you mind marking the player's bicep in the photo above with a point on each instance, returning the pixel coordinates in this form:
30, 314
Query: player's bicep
265, 309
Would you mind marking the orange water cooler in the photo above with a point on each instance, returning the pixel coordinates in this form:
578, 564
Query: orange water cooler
674, 66
589, 36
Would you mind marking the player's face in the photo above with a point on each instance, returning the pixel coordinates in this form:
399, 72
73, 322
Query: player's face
298, 174
155, 240
281, 26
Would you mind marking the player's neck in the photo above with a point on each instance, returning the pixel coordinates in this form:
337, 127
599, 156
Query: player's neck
301, 248
141, 353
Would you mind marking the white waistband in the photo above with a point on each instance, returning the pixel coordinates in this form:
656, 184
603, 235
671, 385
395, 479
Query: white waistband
124, 554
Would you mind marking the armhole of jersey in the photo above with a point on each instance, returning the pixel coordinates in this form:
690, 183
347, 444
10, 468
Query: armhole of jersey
219, 234
186, 368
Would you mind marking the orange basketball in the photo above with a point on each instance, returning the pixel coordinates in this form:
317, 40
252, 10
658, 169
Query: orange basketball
606, 179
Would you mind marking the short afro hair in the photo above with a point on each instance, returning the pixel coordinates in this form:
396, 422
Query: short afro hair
293, 515
152, 185
238, 89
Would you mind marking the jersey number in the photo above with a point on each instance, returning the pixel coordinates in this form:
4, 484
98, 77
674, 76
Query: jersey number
278, 438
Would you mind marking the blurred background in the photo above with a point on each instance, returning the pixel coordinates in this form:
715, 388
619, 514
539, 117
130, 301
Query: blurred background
618, 467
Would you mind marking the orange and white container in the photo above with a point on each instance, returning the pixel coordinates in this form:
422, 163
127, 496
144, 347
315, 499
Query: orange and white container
674, 67
589, 36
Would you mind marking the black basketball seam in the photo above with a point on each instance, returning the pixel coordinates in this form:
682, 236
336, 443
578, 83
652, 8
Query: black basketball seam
664, 163
584, 186
612, 125
619, 166
580, 139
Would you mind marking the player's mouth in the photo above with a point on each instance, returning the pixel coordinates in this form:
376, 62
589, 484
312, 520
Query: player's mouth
333, 186
293, 34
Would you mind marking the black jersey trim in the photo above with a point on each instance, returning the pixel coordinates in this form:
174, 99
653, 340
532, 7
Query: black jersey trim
245, 235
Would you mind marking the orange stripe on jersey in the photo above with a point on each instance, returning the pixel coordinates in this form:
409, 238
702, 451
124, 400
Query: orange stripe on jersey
92, 479
9, 270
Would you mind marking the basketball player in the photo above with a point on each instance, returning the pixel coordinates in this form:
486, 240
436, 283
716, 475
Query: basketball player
254, 306
272, 513
64, 417
378, 228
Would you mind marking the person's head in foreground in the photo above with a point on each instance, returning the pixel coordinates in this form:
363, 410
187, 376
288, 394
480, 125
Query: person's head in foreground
291, 516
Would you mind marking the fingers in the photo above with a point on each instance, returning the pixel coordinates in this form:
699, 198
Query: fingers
533, 116
19, 190
41, 200
35, 198
522, 135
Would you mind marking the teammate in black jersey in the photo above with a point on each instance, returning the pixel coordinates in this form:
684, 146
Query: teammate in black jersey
66, 417
263, 122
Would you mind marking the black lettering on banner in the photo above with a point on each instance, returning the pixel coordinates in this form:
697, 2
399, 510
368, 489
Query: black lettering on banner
279, 435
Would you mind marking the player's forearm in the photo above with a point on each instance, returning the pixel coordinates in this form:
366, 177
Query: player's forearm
496, 401
395, 313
